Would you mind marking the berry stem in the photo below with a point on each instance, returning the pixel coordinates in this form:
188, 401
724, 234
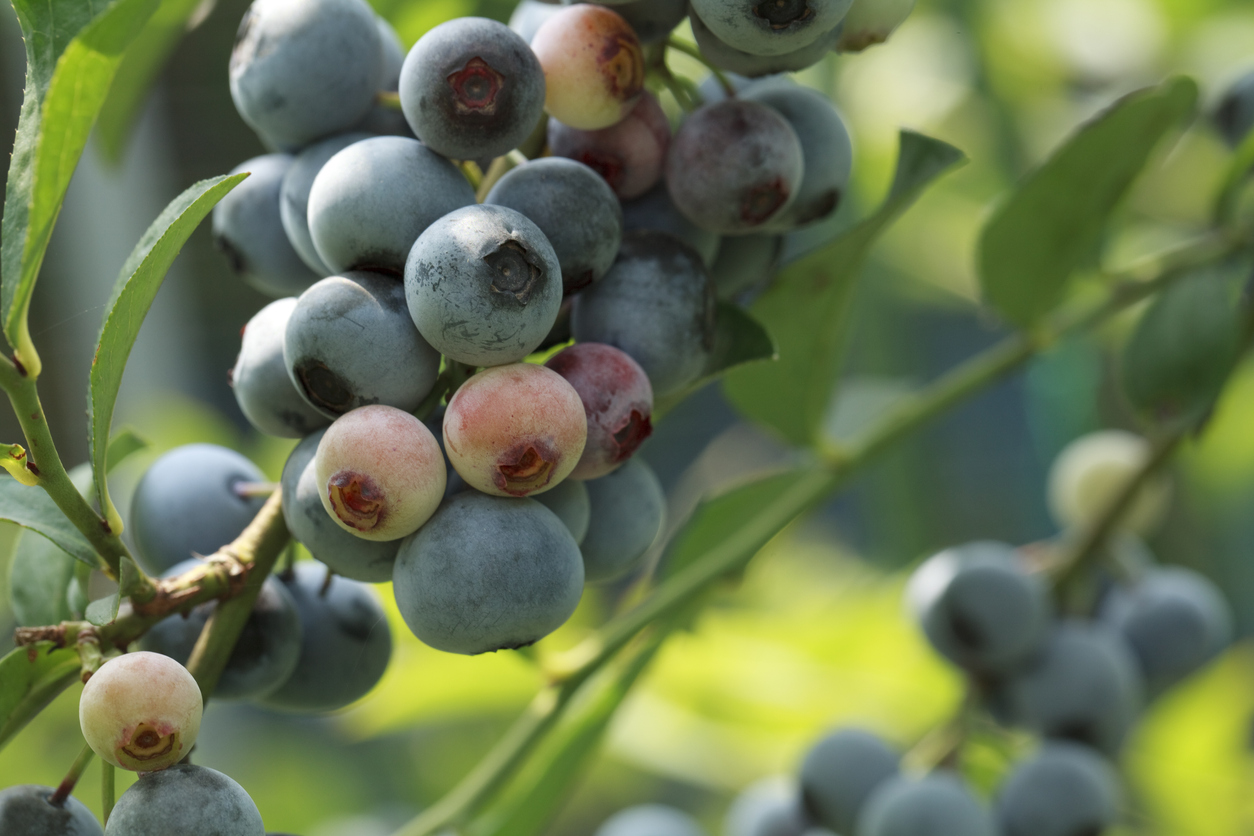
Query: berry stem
68, 783
691, 50
258, 547
389, 99
107, 794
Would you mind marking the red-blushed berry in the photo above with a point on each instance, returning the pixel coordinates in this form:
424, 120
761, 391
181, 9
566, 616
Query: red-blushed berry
629, 155
380, 472
617, 401
593, 66
515, 430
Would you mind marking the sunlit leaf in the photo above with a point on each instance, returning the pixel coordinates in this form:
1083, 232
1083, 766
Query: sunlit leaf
30, 678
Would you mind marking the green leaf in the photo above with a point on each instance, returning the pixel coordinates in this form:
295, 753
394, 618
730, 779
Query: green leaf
41, 572
1186, 344
738, 339
30, 678
144, 60
1053, 222
32, 508
807, 308
727, 517
136, 287
103, 610
124, 444
73, 48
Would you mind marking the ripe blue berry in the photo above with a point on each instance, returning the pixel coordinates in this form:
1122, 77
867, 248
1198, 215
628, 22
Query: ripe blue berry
841, 771
747, 64
187, 800
25, 810
650, 820
940, 804
569, 500
654, 211
770, 27
294, 195
628, 508
1063, 790
264, 391
769, 807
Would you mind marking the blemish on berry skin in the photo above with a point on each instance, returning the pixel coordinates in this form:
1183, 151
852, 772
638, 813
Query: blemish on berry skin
631, 434
475, 87
781, 14
525, 468
622, 63
763, 201
358, 501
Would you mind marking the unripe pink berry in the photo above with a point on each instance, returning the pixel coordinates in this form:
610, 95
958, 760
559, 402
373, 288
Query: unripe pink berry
380, 472
617, 401
141, 711
593, 66
515, 430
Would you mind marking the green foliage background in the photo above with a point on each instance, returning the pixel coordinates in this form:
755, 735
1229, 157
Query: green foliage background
814, 634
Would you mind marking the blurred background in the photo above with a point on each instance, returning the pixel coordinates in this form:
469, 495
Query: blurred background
815, 635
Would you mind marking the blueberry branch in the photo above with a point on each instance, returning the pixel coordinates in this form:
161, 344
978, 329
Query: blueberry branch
67, 784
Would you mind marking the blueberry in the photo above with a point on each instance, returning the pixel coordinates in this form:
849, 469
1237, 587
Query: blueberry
825, 148
870, 22
294, 195
979, 608
350, 342
654, 211
305, 69
653, 20
263, 390
530, 15
1235, 115
734, 167
487, 573
25, 811
746, 264
1063, 790
345, 642
755, 66
483, 285
311, 526
770, 27
1084, 687
372, 200
940, 804
841, 771
265, 653
628, 155
381, 119
187, 800
1174, 619
1089, 473
248, 228
471, 89
569, 500
650, 820
574, 208
628, 508
769, 807
617, 402
186, 504
657, 304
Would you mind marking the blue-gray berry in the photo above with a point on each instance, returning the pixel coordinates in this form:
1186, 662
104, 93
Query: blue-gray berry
187, 800
940, 804
25, 811
264, 391
650, 820
569, 500
840, 772
627, 511
1065, 789
294, 195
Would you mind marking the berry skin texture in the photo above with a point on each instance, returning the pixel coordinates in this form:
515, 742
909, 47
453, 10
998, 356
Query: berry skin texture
1084, 686
1063, 790
1089, 473
628, 508
628, 155
294, 195
305, 69
768, 807
870, 22
25, 811
345, 642
654, 211
617, 402
652, 20
487, 573
472, 89
371, 200
349, 342
770, 27
265, 653
734, 166
186, 503
483, 285
515, 430
841, 771
979, 609
1175, 621
140, 711
574, 208
380, 472
650, 820
656, 304
569, 500
248, 229
756, 66
746, 264
264, 391
311, 526
937, 805
593, 66
187, 800
826, 149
